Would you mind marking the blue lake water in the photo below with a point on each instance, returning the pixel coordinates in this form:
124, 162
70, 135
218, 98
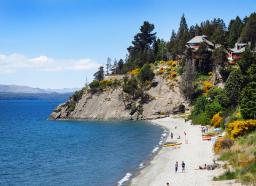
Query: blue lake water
36, 151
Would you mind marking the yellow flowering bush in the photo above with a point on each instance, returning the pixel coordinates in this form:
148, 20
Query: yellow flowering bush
240, 127
104, 83
217, 146
134, 72
173, 74
207, 85
216, 120
172, 63
222, 143
161, 71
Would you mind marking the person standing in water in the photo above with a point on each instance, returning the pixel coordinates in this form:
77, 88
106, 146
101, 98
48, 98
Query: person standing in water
183, 166
176, 166
171, 135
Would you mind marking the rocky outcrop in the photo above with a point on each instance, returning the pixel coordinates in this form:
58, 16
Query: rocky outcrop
110, 104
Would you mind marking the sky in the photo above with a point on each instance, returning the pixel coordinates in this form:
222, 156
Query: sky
60, 43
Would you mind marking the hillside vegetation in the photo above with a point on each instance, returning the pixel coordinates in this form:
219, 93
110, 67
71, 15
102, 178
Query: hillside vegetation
160, 77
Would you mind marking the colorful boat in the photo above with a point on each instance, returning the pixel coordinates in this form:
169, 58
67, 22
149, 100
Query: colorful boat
206, 137
171, 144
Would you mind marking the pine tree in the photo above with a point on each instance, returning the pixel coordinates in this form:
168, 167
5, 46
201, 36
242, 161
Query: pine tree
218, 31
203, 59
233, 86
248, 101
120, 66
182, 35
246, 60
160, 49
249, 30
99, 75
172, 45
108, 65
235, 28
141, 50
188, 75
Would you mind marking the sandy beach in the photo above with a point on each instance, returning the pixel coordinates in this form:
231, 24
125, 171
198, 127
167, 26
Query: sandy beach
194, 153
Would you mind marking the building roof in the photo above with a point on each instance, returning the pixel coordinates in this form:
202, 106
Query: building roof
200, 39
238, 51
239, 48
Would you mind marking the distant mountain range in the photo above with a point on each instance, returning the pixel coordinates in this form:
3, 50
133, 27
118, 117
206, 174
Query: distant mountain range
31, 90
26, 92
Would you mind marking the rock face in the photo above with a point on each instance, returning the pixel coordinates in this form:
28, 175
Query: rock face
110, 104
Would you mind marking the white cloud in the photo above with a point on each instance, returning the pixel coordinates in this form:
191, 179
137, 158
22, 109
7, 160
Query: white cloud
15, 62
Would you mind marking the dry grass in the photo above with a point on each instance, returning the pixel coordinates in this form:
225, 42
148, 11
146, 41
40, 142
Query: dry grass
242, 157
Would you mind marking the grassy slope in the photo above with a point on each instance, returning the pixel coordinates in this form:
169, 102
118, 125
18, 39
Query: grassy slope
242, 157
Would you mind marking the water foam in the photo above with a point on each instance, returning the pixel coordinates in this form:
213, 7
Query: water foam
155, 149
124, 179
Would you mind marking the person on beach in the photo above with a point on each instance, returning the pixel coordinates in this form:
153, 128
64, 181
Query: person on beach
176, 166
183, 166
185, 134
167, 184
171, 135
203, 167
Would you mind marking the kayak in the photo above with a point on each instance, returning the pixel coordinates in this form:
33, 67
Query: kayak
171, 144
206, 137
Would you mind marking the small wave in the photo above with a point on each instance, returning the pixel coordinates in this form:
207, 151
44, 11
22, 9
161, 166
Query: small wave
155, 149
141, 165
164, 134
124, 179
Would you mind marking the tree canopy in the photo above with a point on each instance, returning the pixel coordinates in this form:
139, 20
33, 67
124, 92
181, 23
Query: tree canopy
99, 75
141, 51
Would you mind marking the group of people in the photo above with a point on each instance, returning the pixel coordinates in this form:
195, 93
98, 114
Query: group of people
177, 168
182, 166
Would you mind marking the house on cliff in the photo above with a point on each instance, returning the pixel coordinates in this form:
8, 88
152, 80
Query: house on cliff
196, 41
234, 54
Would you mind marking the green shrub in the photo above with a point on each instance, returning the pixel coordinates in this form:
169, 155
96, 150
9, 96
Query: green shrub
130, 86
225, 71
213, 108
248, 174
248, 101
77, 95
223, 99
201, 119
225, 156
228, 175
214, 93
204, 109
233, 86
199, 106
94, 86
252, 72
246, 60
71, 106
146, 73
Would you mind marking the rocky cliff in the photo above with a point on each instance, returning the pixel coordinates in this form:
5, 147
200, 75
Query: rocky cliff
111, 104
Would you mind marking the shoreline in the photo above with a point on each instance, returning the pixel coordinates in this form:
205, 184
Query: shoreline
160, 167
126, 180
